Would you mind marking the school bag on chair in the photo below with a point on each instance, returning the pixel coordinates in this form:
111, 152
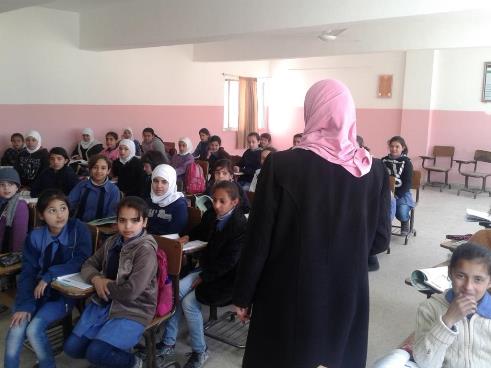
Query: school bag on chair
194, 179
164, 285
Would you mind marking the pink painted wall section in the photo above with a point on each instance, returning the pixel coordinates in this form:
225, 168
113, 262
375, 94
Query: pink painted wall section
416, 131
61, 124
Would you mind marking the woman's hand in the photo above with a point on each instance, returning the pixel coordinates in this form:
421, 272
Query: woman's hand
40, 289
196, 282
460, 307
18, 317
243, 313
100, 284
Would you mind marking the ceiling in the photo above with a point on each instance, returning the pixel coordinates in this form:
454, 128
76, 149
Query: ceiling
259, 29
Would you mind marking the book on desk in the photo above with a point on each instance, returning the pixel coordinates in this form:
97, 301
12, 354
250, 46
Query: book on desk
431, 279
74, 280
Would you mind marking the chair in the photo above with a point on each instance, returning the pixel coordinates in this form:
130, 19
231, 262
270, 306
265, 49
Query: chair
479, 156
205, 165
482, 237
235, 159
415, 185
33, 216
173, 251
194, 218
95, 235
439, 151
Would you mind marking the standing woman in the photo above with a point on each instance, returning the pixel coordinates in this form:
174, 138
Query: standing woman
319, 211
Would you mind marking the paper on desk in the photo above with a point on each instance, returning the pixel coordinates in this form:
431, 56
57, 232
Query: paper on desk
74, 280
171, 236
195, 244
435, 278
473, 215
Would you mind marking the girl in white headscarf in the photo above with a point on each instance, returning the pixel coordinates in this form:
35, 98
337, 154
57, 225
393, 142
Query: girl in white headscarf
88, 146
183, 158
33, 160
128, 134
128, 169
168, 212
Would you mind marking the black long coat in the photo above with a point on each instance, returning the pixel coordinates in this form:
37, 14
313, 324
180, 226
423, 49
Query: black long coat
304, 264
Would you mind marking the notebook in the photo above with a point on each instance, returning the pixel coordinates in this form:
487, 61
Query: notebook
431, 279
74, 280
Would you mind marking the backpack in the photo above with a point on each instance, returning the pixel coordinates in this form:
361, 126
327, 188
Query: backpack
194, 179
164, 285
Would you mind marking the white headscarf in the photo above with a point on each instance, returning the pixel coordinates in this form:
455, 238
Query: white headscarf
167, 173
189, 146
131, 146
34, 134
129, 130
86, 145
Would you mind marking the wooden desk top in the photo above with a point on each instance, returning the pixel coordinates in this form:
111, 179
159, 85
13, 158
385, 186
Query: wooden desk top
451, 245
10, 270
71, 291
108, 229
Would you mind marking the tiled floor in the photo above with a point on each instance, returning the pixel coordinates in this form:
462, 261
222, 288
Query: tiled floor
393, 304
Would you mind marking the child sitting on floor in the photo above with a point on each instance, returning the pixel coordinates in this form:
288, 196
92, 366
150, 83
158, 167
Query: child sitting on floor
56, 249
223, 227
453, 329
124, 274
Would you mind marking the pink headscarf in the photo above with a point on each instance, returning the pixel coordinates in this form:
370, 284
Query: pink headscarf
330, 127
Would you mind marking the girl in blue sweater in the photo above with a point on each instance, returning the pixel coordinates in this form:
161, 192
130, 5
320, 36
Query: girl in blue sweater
56, 249
168, 212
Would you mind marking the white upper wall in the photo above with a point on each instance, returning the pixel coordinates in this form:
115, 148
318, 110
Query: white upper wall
42, 64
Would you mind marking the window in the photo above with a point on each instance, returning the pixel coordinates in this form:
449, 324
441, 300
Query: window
231, 104
261, 103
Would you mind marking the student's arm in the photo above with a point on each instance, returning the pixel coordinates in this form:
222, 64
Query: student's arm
74, 198
158, 145
228, 258
93, 265
432, 337
19, 226
179, 218
406, 177
82, 250
24, 300
383, 233
113, 201
143, 272
259, 232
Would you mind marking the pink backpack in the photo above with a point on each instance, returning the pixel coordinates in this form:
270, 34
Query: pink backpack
164, 285
194, 179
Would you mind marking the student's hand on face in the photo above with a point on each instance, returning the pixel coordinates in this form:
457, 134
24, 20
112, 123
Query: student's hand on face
18, 317
100, 284
40, 289
196, 282
242, 313
460, 307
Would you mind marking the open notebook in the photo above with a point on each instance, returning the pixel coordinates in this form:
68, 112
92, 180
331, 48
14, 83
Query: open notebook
189, 246
473, 215
74, 280
431, 279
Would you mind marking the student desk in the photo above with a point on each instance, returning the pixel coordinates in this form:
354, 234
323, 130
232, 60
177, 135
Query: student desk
428, 293
451, 245
10, 270
71, 291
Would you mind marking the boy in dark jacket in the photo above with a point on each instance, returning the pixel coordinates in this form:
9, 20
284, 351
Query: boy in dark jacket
250, 161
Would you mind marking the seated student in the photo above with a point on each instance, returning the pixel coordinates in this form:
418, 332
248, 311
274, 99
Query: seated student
183, 158
56, 249
264, 153
128, 169
297, 138
58, 175
10, 156
223, 227
202, 147
124, 274
33, 160
250, 161
128, 134
215, 152
152, 142
14, 216
168, 208
265, 140
453, 329
150, 161
87, 147
399, 166
96, 197
111, 150
224, 172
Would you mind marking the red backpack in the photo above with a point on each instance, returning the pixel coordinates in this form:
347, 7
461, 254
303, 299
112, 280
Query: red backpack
194, 179
164, 285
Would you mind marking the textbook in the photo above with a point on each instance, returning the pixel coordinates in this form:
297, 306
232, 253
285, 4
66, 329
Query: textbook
103, 221
431, 279
194, 245
171, 236
74, 280
475, 216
